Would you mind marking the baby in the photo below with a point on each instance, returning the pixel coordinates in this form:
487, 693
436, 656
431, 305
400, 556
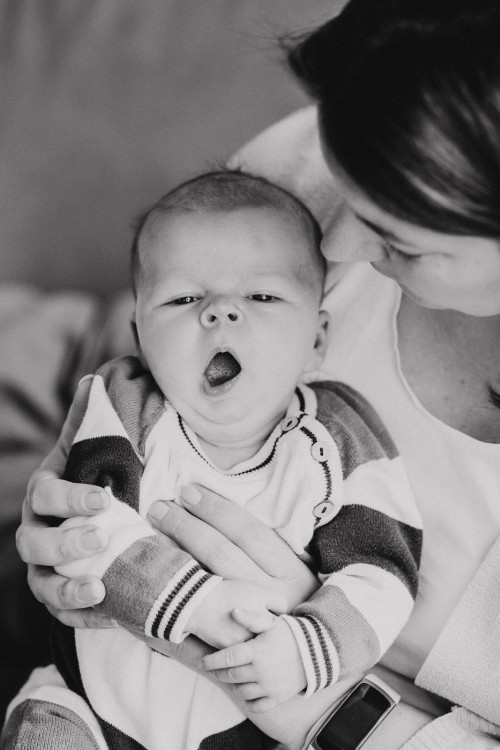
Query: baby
228, 279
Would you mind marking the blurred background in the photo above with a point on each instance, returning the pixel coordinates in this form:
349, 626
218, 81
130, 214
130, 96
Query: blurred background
104, 105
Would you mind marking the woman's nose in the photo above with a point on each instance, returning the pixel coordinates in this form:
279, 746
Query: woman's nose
220, 311
347, 240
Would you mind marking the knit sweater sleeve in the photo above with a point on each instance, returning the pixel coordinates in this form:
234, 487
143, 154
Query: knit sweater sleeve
151, 584
463, 667
367, 555
458, 730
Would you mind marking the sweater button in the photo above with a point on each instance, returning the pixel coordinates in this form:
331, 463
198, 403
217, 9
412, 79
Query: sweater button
320, 451
324, 511
289, 423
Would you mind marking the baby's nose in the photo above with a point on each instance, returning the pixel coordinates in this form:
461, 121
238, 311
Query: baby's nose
219, 311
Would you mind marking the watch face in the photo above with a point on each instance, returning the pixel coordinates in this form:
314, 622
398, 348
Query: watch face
354, 720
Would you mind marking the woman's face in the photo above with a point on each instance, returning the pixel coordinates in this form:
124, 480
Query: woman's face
442, 271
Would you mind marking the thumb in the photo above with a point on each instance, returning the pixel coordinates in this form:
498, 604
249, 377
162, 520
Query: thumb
255, 622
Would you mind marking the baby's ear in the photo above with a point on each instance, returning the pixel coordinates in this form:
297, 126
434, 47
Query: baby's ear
322, 334
135, 334
321, 341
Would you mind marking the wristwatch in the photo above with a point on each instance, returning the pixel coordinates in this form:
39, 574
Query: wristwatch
354, 718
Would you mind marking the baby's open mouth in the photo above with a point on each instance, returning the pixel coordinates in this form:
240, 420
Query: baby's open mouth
222, 367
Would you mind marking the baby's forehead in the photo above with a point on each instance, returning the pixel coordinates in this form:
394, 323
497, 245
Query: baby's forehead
161, 223
293, 250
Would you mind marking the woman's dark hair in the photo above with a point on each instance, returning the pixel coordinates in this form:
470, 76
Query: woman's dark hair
409, 106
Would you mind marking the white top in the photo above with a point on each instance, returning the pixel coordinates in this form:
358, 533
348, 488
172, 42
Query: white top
456, 478
327, 460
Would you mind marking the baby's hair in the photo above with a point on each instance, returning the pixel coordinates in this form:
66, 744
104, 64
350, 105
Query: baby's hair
409, 102
226, 190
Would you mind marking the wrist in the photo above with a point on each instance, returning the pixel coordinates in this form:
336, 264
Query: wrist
188, 619
356, 718
315, 653
287, 642
398, 727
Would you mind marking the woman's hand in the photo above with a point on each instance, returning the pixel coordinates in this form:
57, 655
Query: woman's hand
402, 723
230, 542
43, 546
189, 652
225, 538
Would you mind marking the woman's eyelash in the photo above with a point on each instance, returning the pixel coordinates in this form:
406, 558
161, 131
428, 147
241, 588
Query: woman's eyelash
393, 250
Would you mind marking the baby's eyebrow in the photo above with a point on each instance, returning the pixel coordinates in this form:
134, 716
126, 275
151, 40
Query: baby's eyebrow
270, 275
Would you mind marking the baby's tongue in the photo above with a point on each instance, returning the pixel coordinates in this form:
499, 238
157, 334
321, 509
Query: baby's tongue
221, 368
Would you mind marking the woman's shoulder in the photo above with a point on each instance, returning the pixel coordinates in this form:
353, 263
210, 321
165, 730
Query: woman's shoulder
289, 139
289, 153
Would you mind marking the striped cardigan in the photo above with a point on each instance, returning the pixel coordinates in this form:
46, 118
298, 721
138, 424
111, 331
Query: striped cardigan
330, 481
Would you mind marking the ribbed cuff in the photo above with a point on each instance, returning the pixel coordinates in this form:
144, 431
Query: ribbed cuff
458, 730
318, 653
177, 601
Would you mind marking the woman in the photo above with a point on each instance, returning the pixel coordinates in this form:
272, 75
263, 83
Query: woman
409, 111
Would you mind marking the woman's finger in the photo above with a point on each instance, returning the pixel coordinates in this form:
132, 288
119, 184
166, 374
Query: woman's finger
261, 705
233, 656
234, 675
255, 622
205, 543
248, 691
261, 543
82, 618
51, 546
64, 593
189, 652
47, 495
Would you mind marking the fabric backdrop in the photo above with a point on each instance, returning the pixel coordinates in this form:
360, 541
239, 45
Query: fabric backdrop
105, 104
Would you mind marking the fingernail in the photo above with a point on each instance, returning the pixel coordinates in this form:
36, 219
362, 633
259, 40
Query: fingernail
89, 593
158, 510
94, 539
190, 494
97, 500
108, 623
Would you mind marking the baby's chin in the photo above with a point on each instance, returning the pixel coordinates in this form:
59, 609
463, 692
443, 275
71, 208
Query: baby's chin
232, 435
226, 455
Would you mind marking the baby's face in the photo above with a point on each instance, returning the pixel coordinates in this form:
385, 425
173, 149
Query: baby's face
227, 319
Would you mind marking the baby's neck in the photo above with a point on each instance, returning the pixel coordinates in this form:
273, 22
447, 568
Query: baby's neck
224, 456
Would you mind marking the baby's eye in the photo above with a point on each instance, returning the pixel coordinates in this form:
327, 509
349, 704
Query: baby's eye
263, 297
187, 300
